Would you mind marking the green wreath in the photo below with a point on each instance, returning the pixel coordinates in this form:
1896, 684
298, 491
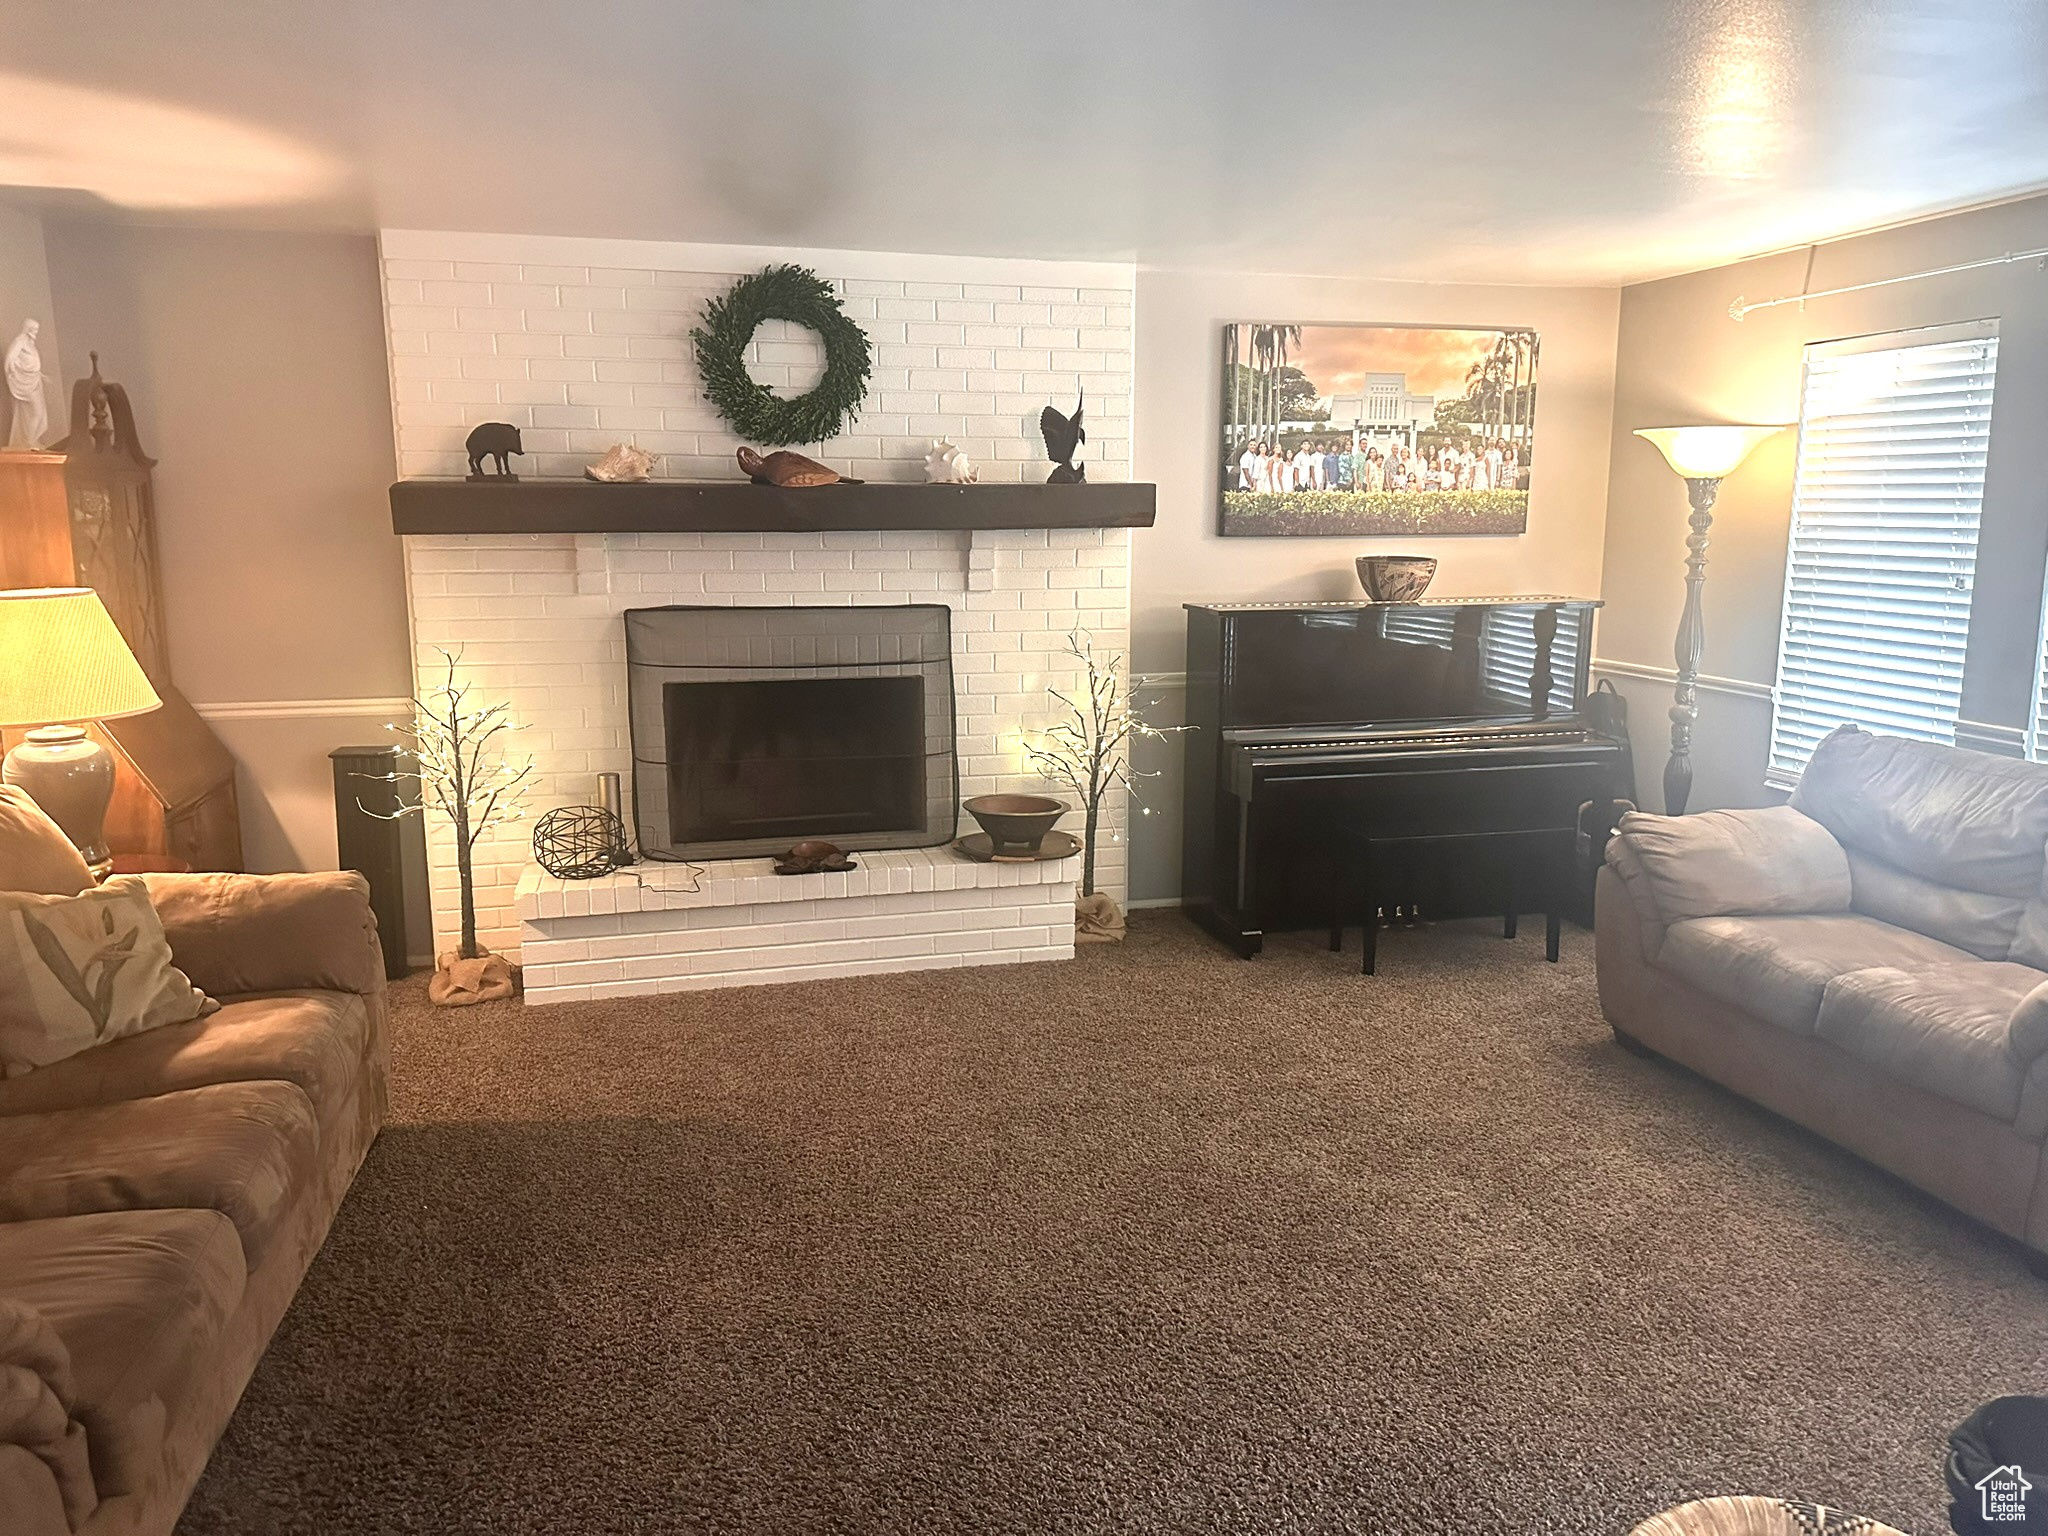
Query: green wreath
756, 413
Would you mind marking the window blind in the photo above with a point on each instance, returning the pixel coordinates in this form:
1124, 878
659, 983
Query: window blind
2037, 728
1419, 626
1893, 433
1507, 649
1510, 657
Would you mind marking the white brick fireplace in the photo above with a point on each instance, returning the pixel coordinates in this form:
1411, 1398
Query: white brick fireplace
583, 343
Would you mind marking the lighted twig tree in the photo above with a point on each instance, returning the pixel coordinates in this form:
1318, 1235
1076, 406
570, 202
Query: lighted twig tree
1089, 751
465, 774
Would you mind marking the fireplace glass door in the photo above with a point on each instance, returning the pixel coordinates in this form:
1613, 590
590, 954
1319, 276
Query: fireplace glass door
794, 757
756, 728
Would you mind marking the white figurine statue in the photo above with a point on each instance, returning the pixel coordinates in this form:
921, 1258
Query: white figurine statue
25, 384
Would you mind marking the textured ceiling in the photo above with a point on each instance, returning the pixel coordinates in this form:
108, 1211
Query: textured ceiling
1571, 141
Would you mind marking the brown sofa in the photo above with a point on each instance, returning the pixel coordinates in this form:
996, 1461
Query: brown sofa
1864, 961
161, 1197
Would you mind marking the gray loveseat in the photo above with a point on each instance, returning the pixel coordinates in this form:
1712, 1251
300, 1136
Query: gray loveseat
1870, 961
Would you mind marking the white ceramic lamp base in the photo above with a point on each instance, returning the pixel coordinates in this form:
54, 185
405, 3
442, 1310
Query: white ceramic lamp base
71, 777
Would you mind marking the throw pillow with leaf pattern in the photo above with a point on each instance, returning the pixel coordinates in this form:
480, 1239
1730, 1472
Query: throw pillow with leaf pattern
78, 971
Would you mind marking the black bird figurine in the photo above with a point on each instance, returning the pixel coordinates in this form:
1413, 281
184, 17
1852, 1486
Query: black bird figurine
1063, 435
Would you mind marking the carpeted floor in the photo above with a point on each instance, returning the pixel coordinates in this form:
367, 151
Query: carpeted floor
1154, 1241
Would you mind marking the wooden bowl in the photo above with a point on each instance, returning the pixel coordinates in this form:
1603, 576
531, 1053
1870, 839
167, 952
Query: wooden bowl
1395, 578
1015, 824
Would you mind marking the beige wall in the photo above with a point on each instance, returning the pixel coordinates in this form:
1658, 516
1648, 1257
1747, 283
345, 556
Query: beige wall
1681, 359
256, 364
1183, 559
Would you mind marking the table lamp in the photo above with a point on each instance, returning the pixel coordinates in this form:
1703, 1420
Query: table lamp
62, 661
1704, 456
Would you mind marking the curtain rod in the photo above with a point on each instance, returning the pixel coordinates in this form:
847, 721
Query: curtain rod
1740, 310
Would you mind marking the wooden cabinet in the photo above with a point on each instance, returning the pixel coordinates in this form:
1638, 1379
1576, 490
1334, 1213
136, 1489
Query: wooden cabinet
85, 515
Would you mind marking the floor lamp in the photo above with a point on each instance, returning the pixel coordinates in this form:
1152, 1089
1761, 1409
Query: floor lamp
1704, 456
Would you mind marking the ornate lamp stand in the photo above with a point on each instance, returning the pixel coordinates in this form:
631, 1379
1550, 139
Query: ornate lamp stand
1704, 456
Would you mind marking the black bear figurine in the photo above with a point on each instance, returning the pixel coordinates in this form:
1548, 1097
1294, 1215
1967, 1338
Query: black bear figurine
493, 440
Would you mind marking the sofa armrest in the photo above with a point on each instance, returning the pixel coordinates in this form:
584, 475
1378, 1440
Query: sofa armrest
1623, 887
271, 933
1732, 864
48, 1462
2026, 1032
31, 1499
29, 1343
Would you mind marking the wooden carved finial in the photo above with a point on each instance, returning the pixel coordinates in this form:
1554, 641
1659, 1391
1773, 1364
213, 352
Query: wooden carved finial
101, 426
101, 411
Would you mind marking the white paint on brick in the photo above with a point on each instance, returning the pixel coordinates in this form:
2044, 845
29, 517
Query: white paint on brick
533, 628
645, 930
583, 342
580, 364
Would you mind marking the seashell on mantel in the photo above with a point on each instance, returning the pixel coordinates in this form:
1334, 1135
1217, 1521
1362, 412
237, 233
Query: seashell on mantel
622, 464
947, 465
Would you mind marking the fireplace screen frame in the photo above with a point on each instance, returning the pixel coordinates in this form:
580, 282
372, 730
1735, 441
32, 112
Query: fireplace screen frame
684, 644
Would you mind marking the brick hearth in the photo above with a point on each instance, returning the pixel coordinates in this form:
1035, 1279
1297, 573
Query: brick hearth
645, 930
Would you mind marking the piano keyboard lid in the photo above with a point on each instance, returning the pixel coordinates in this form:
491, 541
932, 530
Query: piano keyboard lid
1343, 605
1409, 734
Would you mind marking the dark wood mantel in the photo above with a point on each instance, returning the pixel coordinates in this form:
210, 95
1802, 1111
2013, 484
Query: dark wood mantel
738, 506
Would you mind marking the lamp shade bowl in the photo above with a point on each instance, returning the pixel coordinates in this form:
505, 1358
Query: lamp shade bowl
1707, 452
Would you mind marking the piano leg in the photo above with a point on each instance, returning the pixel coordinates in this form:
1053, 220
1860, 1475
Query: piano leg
1557, 875
1511, 913
1244, 942
1369, 910
1335, 875
1229, 915
1248, 939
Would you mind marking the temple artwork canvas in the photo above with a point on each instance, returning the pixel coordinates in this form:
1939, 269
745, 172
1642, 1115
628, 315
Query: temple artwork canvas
1358, 430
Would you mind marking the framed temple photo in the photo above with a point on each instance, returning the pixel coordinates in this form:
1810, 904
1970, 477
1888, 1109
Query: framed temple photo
1355, 430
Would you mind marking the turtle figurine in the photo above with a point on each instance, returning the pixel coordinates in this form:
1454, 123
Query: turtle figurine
788, 469
814, 857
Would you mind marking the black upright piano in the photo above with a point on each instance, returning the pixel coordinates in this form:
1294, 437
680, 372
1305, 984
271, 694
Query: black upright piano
1317, 721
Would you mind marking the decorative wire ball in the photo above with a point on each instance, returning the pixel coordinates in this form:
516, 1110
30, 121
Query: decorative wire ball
579, 842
